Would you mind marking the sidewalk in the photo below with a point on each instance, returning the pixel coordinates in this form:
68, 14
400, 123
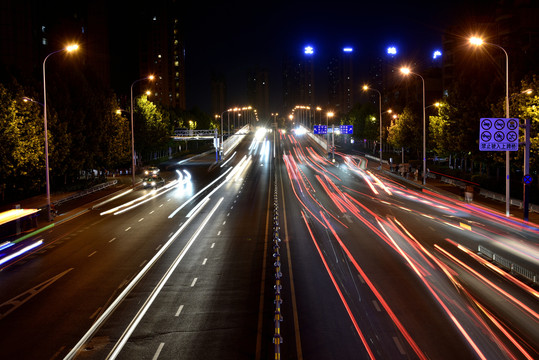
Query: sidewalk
457, 193
65, 209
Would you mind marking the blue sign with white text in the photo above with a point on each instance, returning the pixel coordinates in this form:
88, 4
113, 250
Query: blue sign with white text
347, 129
320, 129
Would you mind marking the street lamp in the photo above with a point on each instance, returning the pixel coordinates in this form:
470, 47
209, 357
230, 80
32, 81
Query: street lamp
478, 42
151, 77
407, 71
329, 114
437, 104
366, 88
221, 145
69, 48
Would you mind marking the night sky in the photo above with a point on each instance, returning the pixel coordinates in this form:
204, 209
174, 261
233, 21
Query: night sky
230, 38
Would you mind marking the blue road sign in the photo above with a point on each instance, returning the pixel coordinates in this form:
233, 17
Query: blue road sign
320, 129
498, 134
347, 129
527, 179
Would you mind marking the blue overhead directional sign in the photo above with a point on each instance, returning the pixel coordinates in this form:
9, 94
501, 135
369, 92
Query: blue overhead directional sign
347, 129
320, 129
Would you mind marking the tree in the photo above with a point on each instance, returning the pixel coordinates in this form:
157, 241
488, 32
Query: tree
525, 105
151, 130
406, 132
443, 130
22, 162
365, 123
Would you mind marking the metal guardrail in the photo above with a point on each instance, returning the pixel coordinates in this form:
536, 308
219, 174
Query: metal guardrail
508, 265
86, 192
278, 318
194, 134
516, 202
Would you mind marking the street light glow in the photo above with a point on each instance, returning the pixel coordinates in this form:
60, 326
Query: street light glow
151, 77
365, 87
405, 70
476, 41
73, 47
348, 49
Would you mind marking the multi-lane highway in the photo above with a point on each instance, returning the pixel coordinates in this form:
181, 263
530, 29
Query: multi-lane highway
371, 268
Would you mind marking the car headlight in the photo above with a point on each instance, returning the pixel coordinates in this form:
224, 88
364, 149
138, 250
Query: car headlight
144, 183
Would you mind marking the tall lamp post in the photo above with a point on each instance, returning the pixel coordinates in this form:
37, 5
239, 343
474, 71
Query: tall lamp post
366, 88
221, 144
329, 114
407, 71
478, 42
69, 48
151, 77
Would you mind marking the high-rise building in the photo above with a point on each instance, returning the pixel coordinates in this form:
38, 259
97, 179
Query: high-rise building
342, 86
258, 92
298, 80
162, 54
31, 29
511, 25
218, 94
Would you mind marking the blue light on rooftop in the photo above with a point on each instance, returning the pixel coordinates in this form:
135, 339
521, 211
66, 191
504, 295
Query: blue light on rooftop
436, 54
348, 49
392, 50
309, 50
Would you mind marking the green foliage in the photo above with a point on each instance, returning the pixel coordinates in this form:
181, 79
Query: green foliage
361, 117
151, 130
526, 106
444, 130
406, 131
22, 161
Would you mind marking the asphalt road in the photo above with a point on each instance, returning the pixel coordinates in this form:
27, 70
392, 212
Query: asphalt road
371, 269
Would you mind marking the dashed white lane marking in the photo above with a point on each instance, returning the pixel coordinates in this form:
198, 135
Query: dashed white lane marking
151, 212
376, 306
128, 228
92, 253
179, 310
139, 220
142, 264
219, 233
95, 313
224, 222
194, 282
111, 240
212, 245
399, 345
156, 356
159, 247
205, 260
